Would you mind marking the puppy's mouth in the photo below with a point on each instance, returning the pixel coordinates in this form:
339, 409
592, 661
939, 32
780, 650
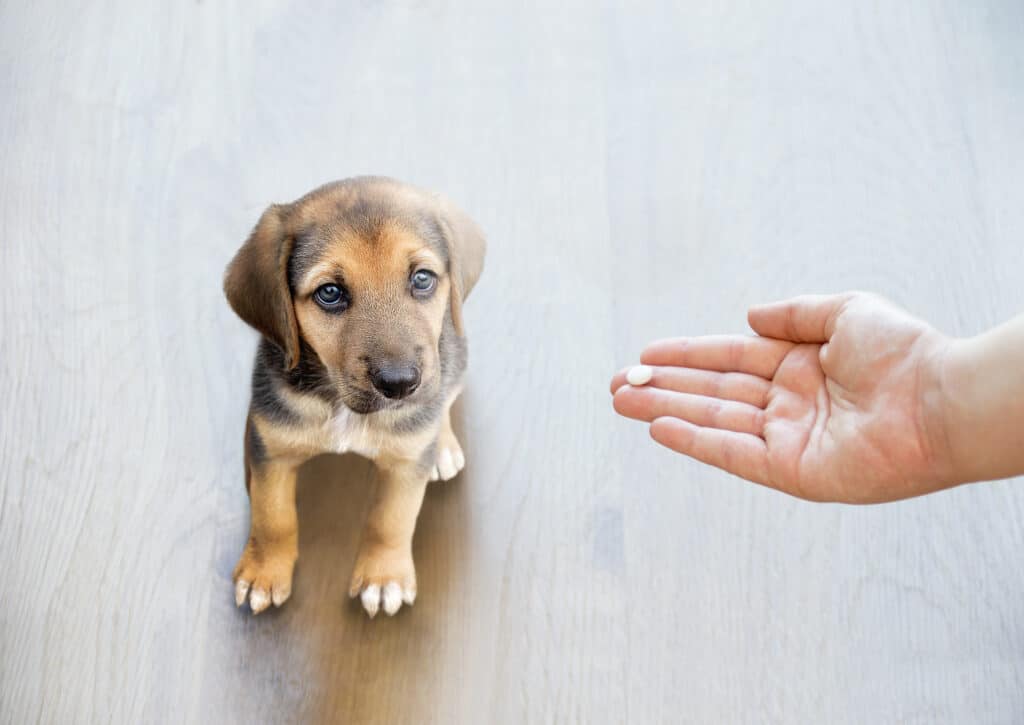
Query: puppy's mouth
360, 397
365, 402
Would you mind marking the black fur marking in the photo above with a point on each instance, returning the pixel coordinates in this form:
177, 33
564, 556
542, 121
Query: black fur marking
364, 402
454, 354
265, 399
256, 448
309, 377
419, 418
366, 217
429, 229
308, 249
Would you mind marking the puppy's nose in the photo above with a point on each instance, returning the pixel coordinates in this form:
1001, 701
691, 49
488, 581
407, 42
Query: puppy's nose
395, 381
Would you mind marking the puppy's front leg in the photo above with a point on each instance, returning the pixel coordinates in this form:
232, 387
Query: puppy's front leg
269, 557
384, 572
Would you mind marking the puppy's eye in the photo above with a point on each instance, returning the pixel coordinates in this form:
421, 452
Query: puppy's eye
331, 297
423, 283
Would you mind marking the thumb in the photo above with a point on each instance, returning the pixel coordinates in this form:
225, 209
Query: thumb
808, 318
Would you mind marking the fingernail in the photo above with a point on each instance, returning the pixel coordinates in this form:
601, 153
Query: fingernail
639, 375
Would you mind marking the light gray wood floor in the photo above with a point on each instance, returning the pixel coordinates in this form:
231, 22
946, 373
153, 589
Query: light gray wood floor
641, 171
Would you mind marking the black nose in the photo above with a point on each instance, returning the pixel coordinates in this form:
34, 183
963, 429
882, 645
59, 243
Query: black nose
395, 381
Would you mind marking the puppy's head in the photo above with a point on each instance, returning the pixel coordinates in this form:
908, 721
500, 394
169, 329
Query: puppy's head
365, 272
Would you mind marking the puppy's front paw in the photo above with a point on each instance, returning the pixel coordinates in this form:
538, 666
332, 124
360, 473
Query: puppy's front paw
264, 575
450, 459
383, 578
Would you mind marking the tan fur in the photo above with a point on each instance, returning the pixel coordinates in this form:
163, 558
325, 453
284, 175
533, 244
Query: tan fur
372, 275
268, 560
386, 550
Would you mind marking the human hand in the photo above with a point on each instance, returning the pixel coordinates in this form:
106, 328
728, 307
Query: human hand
839, 399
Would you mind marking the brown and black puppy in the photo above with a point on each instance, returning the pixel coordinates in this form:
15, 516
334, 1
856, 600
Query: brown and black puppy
357, 288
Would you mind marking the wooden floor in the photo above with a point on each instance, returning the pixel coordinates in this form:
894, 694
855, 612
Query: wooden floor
640, 171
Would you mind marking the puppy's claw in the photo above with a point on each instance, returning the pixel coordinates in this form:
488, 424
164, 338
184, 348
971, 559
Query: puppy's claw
264, 576
241, 590
460, 460
280, 595
258, 601
371, 600
392, 598
446, 464
409, 595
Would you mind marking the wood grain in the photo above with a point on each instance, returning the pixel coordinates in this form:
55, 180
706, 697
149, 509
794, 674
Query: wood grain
641, 171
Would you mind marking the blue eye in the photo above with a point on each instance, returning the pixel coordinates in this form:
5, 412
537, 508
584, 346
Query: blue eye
423, 283
331, 297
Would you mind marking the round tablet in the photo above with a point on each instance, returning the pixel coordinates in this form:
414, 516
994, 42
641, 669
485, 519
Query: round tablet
639, 375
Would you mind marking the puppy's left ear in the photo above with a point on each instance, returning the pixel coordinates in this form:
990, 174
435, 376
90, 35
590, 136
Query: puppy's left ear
466, 248
256, 283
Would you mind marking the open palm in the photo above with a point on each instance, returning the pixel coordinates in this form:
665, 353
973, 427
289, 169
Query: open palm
830, 403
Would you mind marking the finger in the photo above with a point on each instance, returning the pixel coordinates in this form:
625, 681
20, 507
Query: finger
823, 355
738, 453
618, 380
741, 387
808, 318
722, 353
647, 404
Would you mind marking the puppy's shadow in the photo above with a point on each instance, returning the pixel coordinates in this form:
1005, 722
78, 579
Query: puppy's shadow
357, 665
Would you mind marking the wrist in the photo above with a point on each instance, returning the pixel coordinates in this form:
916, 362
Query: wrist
983, 390
964, 400
940, 413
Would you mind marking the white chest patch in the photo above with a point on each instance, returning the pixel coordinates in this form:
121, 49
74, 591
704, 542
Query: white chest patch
352, 433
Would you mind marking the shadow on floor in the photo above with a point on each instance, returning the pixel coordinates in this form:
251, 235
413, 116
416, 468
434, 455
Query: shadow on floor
320, 652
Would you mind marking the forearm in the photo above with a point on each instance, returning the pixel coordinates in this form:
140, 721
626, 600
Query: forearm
983, 386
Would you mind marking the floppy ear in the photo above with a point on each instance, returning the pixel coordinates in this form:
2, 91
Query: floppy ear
466, 248
256, 283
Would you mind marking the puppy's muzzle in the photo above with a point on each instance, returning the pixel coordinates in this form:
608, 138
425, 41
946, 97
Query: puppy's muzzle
395, 381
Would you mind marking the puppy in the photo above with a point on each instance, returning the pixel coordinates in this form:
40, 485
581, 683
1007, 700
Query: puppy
357, 289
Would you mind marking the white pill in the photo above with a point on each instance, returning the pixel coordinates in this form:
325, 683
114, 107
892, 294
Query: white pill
639, 375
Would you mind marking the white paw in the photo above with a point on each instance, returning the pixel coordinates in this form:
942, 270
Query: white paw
263, 580
450, 460
383, 579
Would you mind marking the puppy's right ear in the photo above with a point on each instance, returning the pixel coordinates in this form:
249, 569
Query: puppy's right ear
256, 283
466, 248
